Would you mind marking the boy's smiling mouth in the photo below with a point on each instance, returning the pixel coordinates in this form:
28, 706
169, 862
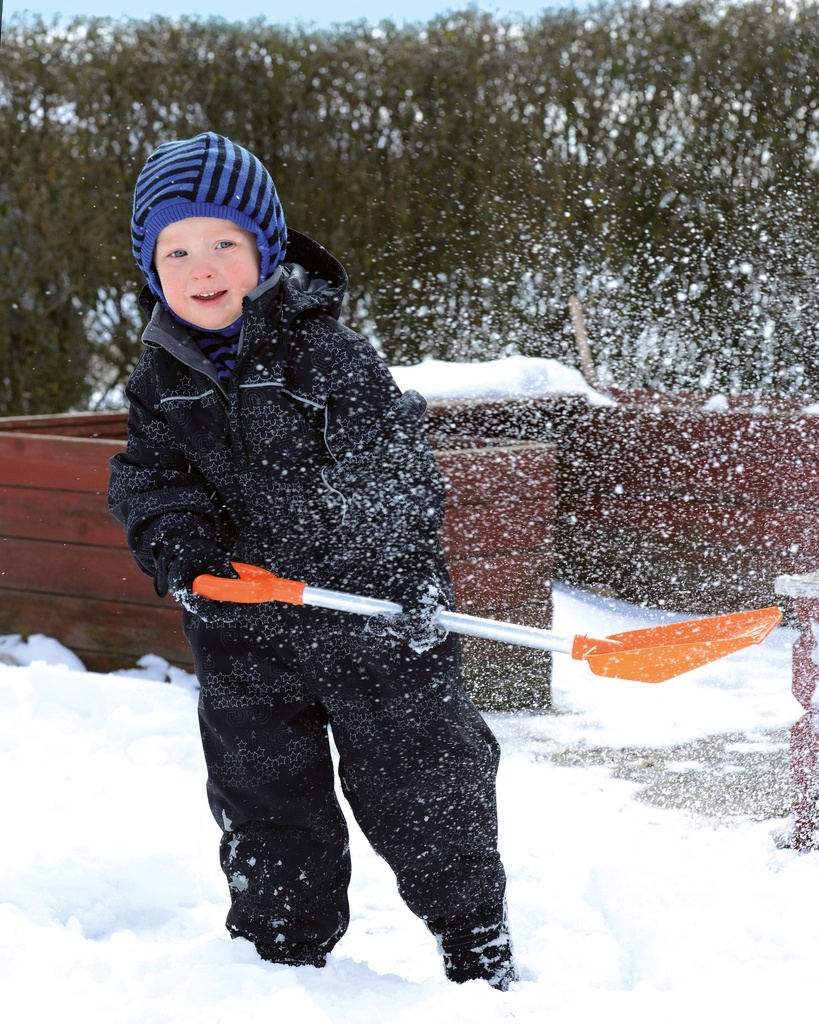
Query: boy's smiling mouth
209, 296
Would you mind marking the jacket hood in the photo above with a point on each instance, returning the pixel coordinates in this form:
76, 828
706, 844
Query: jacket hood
312, 277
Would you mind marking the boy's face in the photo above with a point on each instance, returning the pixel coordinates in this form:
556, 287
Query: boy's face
206, 265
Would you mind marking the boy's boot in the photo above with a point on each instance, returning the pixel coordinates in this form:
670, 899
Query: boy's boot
485, 955
304, 956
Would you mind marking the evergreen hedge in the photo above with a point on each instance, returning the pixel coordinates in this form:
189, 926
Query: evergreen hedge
658, 160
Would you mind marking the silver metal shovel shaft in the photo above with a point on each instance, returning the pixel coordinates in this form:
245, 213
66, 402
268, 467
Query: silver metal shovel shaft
508, 632
455, 622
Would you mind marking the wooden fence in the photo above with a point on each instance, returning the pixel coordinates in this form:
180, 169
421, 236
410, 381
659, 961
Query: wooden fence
666, 504
65, 570
653, 500
689, 510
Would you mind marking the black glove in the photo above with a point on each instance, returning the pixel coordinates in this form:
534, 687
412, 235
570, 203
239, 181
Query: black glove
189, 558
421, 597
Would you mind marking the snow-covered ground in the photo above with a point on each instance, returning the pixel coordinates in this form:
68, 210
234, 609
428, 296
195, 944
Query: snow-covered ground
645, 880
112, 902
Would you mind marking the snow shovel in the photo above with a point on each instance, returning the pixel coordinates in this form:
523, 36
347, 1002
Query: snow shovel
649, 655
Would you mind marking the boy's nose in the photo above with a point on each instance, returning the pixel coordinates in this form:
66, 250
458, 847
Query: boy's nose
202, 268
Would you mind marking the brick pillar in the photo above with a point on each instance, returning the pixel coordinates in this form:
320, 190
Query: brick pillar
804, 590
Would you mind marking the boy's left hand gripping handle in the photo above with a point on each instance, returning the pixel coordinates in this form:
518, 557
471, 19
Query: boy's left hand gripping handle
254, 586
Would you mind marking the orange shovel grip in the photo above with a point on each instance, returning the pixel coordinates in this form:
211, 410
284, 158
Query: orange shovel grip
254, 586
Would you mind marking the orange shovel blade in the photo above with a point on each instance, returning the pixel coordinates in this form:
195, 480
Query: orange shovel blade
659, 653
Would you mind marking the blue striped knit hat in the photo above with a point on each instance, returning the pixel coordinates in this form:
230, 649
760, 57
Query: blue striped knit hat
207, 176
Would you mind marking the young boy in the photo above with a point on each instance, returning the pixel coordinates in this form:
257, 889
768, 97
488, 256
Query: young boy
261, 430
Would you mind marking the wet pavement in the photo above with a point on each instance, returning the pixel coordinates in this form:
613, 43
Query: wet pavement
730, 777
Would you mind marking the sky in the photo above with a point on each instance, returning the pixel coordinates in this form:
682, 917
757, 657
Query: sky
319, 14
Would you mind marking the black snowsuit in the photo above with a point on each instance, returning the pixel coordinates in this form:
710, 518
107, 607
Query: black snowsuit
310, 462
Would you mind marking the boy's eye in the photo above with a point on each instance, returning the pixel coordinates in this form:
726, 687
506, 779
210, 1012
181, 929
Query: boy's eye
177, 253
224, 245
